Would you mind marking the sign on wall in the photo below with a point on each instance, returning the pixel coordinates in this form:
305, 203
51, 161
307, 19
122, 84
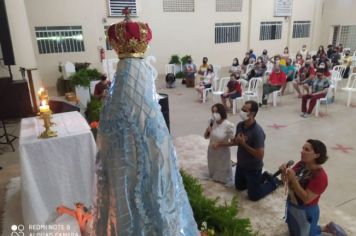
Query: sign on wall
283, 7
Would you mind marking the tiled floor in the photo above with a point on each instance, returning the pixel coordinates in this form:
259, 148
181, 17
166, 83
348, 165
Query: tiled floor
286, 132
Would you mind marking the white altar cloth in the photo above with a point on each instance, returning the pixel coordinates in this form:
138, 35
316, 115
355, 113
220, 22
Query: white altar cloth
55, 171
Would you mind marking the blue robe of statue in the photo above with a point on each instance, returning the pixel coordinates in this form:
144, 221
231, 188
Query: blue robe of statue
139, 188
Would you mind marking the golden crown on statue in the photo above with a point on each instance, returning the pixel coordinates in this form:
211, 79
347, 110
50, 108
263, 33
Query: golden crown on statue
128, 38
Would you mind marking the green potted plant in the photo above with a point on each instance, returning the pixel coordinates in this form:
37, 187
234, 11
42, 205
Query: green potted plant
177, 63
81, 80
174, 59
185, 59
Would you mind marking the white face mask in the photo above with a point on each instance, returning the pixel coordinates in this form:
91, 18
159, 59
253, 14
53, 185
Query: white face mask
243, 115
216, 116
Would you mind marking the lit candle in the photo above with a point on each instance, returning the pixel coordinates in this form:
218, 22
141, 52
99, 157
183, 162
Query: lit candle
44, 107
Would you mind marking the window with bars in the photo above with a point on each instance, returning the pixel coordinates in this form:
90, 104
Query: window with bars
228, 5
335, 35
59, 39
227, 32
348, 36
116, 7
301, 29
271, 30
178, 5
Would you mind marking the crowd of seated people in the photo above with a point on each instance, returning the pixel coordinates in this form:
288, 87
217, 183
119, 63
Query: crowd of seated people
276, 71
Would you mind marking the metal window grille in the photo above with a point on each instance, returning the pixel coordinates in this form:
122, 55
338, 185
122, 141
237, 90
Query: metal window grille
301, 29
116, 7
335, 35
59, 39
228, 5
108, 46
178, 5
271, 30
227, 32
348, 36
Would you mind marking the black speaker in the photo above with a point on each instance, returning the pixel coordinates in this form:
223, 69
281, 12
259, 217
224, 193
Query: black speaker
60, 107
14, 99
5, 37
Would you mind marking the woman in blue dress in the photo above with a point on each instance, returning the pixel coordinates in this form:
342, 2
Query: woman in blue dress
139, 187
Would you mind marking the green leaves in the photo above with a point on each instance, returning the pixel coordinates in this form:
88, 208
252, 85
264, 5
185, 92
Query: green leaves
84, 76
93, 109
223, 219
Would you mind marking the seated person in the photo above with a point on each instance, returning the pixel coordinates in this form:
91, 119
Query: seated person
276, 59
234, 90
329, 51
265, 57
289, 70
252, 55
258, 70
206, 81
335, 57
284, 56
203, 67
190, 69
304, 51
320, 87
324, 59
347, 61
245, 62
275, 81
101, 88
305, 77
299, 59
235, 67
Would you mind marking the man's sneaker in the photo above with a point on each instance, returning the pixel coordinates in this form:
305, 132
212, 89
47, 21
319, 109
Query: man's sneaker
306, 115
302, 114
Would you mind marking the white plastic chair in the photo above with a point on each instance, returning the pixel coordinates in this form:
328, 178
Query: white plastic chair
249, 67
243, 83
221, 88
325, 100
253, 87
216, 69
170, 68
313, 53
269, 67
340, 69
205, 93
336, 77
275, 96
350, 88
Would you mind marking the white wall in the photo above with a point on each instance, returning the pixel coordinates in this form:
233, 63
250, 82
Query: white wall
336, 12
88, 14
178, 33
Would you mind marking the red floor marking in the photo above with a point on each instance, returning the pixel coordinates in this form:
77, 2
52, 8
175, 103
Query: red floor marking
277, 127
342, 148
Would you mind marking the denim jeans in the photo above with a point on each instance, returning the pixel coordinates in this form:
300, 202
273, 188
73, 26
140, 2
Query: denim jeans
251, 180
303, 220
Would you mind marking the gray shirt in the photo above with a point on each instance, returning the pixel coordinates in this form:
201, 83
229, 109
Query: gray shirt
255, 138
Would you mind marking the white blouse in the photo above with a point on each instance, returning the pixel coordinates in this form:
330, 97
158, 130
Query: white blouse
222, 132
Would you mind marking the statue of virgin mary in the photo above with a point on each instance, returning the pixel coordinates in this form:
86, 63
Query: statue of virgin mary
139, 187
